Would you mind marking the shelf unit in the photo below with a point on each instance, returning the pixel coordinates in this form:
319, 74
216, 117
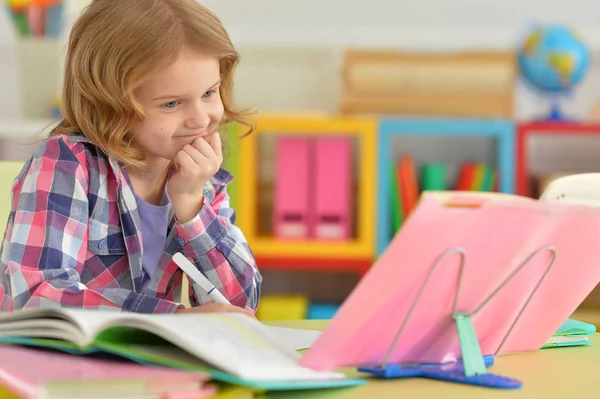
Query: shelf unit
355, 254
391, 128
529, 130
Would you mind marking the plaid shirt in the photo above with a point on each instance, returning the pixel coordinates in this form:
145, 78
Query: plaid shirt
74, 240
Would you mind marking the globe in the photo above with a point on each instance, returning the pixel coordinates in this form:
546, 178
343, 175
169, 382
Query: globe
553, 59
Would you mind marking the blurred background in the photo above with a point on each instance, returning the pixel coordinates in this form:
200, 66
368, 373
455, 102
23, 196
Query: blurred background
360, 106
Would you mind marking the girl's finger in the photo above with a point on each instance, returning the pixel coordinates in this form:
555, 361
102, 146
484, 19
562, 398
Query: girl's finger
196, 155
204, 147
185, 162
215, 142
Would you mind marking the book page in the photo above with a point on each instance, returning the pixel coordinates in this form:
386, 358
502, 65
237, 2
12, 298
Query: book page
43, 328
559, 339
294, 338
234, 343
92, 322
75, 326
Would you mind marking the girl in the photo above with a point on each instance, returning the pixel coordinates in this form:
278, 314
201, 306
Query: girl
132, 175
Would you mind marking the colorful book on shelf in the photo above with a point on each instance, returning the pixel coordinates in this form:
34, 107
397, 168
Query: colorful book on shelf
466, 176
37, 18
409, 184
489, 181
474, 176
484, 178
53, 18
571, 333
478, 178
18, 13
33, 373
232, 347
434, 177
396, 200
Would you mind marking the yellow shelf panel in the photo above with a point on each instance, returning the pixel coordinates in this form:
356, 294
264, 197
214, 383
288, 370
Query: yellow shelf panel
315, 126
264, 247
365, 129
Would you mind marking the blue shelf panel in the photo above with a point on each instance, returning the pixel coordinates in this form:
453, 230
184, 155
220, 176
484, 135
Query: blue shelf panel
390, 128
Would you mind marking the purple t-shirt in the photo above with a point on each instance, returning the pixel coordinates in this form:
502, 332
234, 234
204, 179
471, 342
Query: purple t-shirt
155, 221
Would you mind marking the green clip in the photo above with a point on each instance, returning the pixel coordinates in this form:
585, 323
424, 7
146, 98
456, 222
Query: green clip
469, 345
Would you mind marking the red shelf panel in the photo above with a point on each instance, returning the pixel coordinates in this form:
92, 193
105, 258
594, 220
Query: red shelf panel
543, 128
360, 266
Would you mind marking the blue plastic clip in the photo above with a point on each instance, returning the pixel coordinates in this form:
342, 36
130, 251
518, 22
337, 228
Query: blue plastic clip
451, 372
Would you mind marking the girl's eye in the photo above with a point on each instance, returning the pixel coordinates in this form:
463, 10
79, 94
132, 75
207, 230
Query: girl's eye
208, 94
171, 104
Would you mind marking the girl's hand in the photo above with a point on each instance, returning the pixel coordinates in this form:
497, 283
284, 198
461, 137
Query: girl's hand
194, 165
216, 308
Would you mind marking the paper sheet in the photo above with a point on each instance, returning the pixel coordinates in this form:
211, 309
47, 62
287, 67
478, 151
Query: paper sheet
297, 339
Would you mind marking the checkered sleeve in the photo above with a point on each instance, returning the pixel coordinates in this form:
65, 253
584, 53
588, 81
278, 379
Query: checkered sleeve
48, 244
221, 252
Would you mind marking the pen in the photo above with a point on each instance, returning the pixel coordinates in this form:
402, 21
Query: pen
194, 274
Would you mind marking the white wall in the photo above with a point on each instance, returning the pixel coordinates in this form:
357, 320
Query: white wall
315, 31
291, 51
286, 77
9, 88
428, 24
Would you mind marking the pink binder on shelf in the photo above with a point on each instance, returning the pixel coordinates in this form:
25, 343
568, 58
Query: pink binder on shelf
291, 207
526, 266
331, 211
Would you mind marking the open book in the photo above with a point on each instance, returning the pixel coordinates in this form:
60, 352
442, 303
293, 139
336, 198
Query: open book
230, 347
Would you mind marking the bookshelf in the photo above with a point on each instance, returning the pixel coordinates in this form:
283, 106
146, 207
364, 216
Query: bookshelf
355, 253
500, 131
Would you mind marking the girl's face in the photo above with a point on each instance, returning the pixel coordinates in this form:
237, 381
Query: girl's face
181, 103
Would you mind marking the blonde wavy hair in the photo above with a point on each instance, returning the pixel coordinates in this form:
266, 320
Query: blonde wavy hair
115, 46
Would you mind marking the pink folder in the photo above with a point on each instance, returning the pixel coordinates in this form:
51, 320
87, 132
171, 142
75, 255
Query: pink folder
29, 373
497, 233
291, 208
330, 219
